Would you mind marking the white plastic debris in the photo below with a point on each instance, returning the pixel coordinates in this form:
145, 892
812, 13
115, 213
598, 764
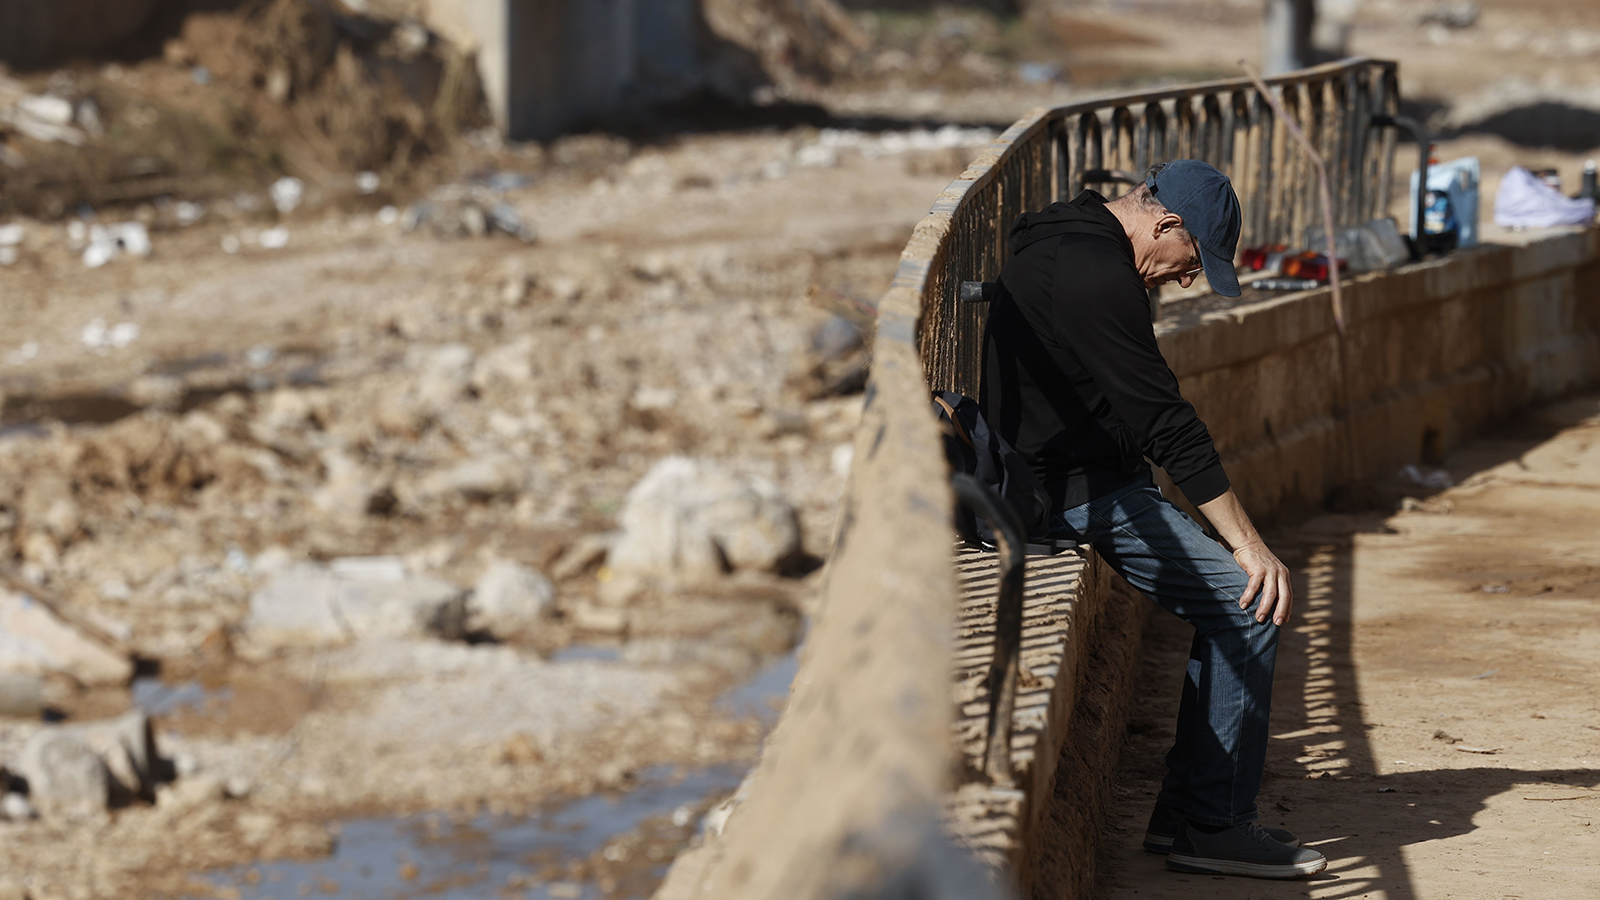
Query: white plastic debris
1421, 476
22, 354
187, 213
87, 115
44, 117
388, 215
107, 242
45, 108
96, 336
274, 238
368, 183
1524, 201
12, 235
411, 39
287, 193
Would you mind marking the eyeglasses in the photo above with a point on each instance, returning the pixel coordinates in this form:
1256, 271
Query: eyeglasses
1196, 265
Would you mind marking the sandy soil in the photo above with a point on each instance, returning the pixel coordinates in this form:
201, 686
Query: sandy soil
1436, 732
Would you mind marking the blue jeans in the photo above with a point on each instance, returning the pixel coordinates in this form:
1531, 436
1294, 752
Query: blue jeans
1214, 767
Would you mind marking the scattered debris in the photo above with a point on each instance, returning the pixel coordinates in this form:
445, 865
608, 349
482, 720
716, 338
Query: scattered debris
96, 336
1434, 505
34, 640
66, 779
1436, 479
287, 193
315, 605
509, 602
467, 218
107, 242
1454, 14
693, 519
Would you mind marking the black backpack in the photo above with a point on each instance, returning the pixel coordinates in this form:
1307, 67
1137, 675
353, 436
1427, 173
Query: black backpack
973, 448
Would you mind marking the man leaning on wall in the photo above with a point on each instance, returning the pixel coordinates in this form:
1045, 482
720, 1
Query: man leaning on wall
1073, 378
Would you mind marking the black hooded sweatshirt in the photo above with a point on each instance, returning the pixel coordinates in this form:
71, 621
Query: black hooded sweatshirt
1072, 375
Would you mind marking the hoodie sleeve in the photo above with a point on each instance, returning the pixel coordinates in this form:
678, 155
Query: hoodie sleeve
1102, 313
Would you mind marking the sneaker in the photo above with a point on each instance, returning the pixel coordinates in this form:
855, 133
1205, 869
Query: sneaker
1164, 823
1241, 850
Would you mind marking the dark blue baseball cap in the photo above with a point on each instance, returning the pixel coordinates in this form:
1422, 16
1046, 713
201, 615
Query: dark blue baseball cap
1204, 197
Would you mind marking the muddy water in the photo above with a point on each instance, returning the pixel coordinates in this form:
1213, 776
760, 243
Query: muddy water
601, 847
534, 857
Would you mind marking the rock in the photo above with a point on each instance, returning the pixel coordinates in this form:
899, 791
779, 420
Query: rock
310, 605
350, 490
127, 747
191, 793
66, 778
15, 807
599, 619
509, 602
21, 694
586, 553
482, 478
504, 217
370, 568
443, 374
692, 520
35, 641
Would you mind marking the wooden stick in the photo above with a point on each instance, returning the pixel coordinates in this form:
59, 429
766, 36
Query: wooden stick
1322, 184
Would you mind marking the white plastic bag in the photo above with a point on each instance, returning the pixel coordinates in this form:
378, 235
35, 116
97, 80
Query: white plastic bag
1524, 201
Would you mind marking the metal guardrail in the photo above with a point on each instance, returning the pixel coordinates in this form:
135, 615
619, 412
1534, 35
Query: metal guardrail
1047, 155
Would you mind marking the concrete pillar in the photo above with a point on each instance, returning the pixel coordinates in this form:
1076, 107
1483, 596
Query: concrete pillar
1286, 31
550, 66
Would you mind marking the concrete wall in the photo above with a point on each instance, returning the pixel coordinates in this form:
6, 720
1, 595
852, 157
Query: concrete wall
549, 66
1432, 353
845, 801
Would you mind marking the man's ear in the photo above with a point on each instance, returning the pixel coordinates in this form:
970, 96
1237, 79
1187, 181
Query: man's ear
1169, 221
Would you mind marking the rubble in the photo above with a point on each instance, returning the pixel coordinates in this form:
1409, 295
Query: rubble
693, 520
455, 218
311, 605
509, 602
107, 242
35, 641
21, 694
66, 779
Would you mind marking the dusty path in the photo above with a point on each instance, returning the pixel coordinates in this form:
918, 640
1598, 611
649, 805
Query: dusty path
1436, 728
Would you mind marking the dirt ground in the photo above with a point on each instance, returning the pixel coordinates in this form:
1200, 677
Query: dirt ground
1436, 730
279, 386
624, 334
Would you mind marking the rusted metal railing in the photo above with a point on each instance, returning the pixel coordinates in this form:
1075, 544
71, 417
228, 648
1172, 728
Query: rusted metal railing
1053, 154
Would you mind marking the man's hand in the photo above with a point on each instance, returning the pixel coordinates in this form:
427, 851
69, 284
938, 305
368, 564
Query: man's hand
1270, 578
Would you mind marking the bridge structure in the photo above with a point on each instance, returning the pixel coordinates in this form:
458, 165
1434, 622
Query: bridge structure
881, 777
